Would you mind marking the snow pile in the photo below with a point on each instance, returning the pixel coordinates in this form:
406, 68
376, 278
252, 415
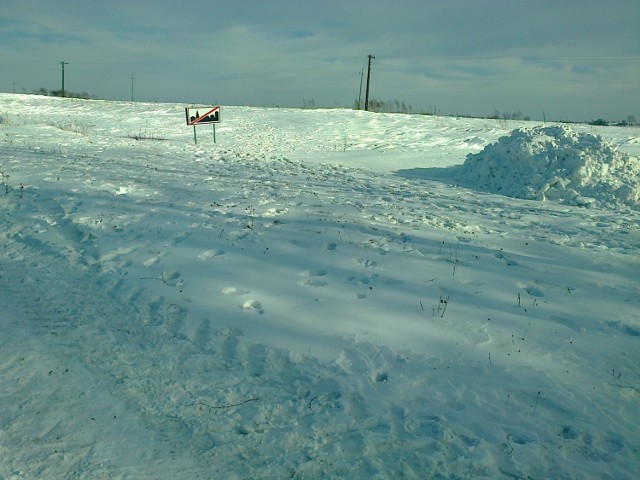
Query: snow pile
556, 163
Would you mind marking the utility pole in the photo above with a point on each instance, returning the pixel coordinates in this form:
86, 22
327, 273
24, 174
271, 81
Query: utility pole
132, 79
360, 92
366, 95
63, 64
14, 86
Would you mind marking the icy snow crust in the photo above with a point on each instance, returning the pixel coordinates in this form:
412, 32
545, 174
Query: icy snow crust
300, 301
556, 163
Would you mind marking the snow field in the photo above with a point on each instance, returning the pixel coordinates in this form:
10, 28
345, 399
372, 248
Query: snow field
291, 304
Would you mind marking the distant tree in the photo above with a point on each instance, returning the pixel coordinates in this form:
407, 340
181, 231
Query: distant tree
58, 93
630, 121
599, 122
388, 106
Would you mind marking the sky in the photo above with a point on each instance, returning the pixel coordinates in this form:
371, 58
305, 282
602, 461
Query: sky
575, 60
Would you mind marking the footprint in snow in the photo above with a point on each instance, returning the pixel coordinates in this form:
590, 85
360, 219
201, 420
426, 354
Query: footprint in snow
331, 247
173, 279
150, 262
531, 289
209, 254
364, 280
310, 278
366, 263
252, 306
234, 291
509, 261
364, 360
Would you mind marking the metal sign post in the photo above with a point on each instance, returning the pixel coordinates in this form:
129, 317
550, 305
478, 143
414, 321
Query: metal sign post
194, 117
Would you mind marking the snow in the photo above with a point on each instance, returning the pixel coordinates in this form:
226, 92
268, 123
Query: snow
557, 163
319, 294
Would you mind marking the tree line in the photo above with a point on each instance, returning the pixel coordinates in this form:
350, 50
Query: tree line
60, 93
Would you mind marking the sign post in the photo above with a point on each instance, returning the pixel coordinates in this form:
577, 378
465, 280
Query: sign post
195, 117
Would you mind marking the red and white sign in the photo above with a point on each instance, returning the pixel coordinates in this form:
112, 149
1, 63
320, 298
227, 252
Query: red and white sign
202, 115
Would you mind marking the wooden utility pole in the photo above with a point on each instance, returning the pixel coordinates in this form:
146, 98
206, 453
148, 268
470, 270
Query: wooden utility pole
132, 79
360, 91
63, 64
366, 95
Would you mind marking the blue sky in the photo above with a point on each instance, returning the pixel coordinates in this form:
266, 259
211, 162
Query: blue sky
571, 59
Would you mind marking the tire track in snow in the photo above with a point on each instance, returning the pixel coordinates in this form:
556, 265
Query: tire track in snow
61, 336
185, 390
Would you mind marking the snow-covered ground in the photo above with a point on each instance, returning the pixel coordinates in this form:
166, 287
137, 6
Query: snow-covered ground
319, 294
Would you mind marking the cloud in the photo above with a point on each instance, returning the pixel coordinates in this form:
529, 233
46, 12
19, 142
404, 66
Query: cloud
281, 51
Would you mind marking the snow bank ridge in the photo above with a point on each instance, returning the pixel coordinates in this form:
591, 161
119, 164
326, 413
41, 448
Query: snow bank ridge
556, 163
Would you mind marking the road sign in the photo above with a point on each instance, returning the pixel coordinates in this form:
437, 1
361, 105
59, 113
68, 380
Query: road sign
202, 115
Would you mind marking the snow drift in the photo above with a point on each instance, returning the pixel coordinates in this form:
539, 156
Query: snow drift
556, 163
